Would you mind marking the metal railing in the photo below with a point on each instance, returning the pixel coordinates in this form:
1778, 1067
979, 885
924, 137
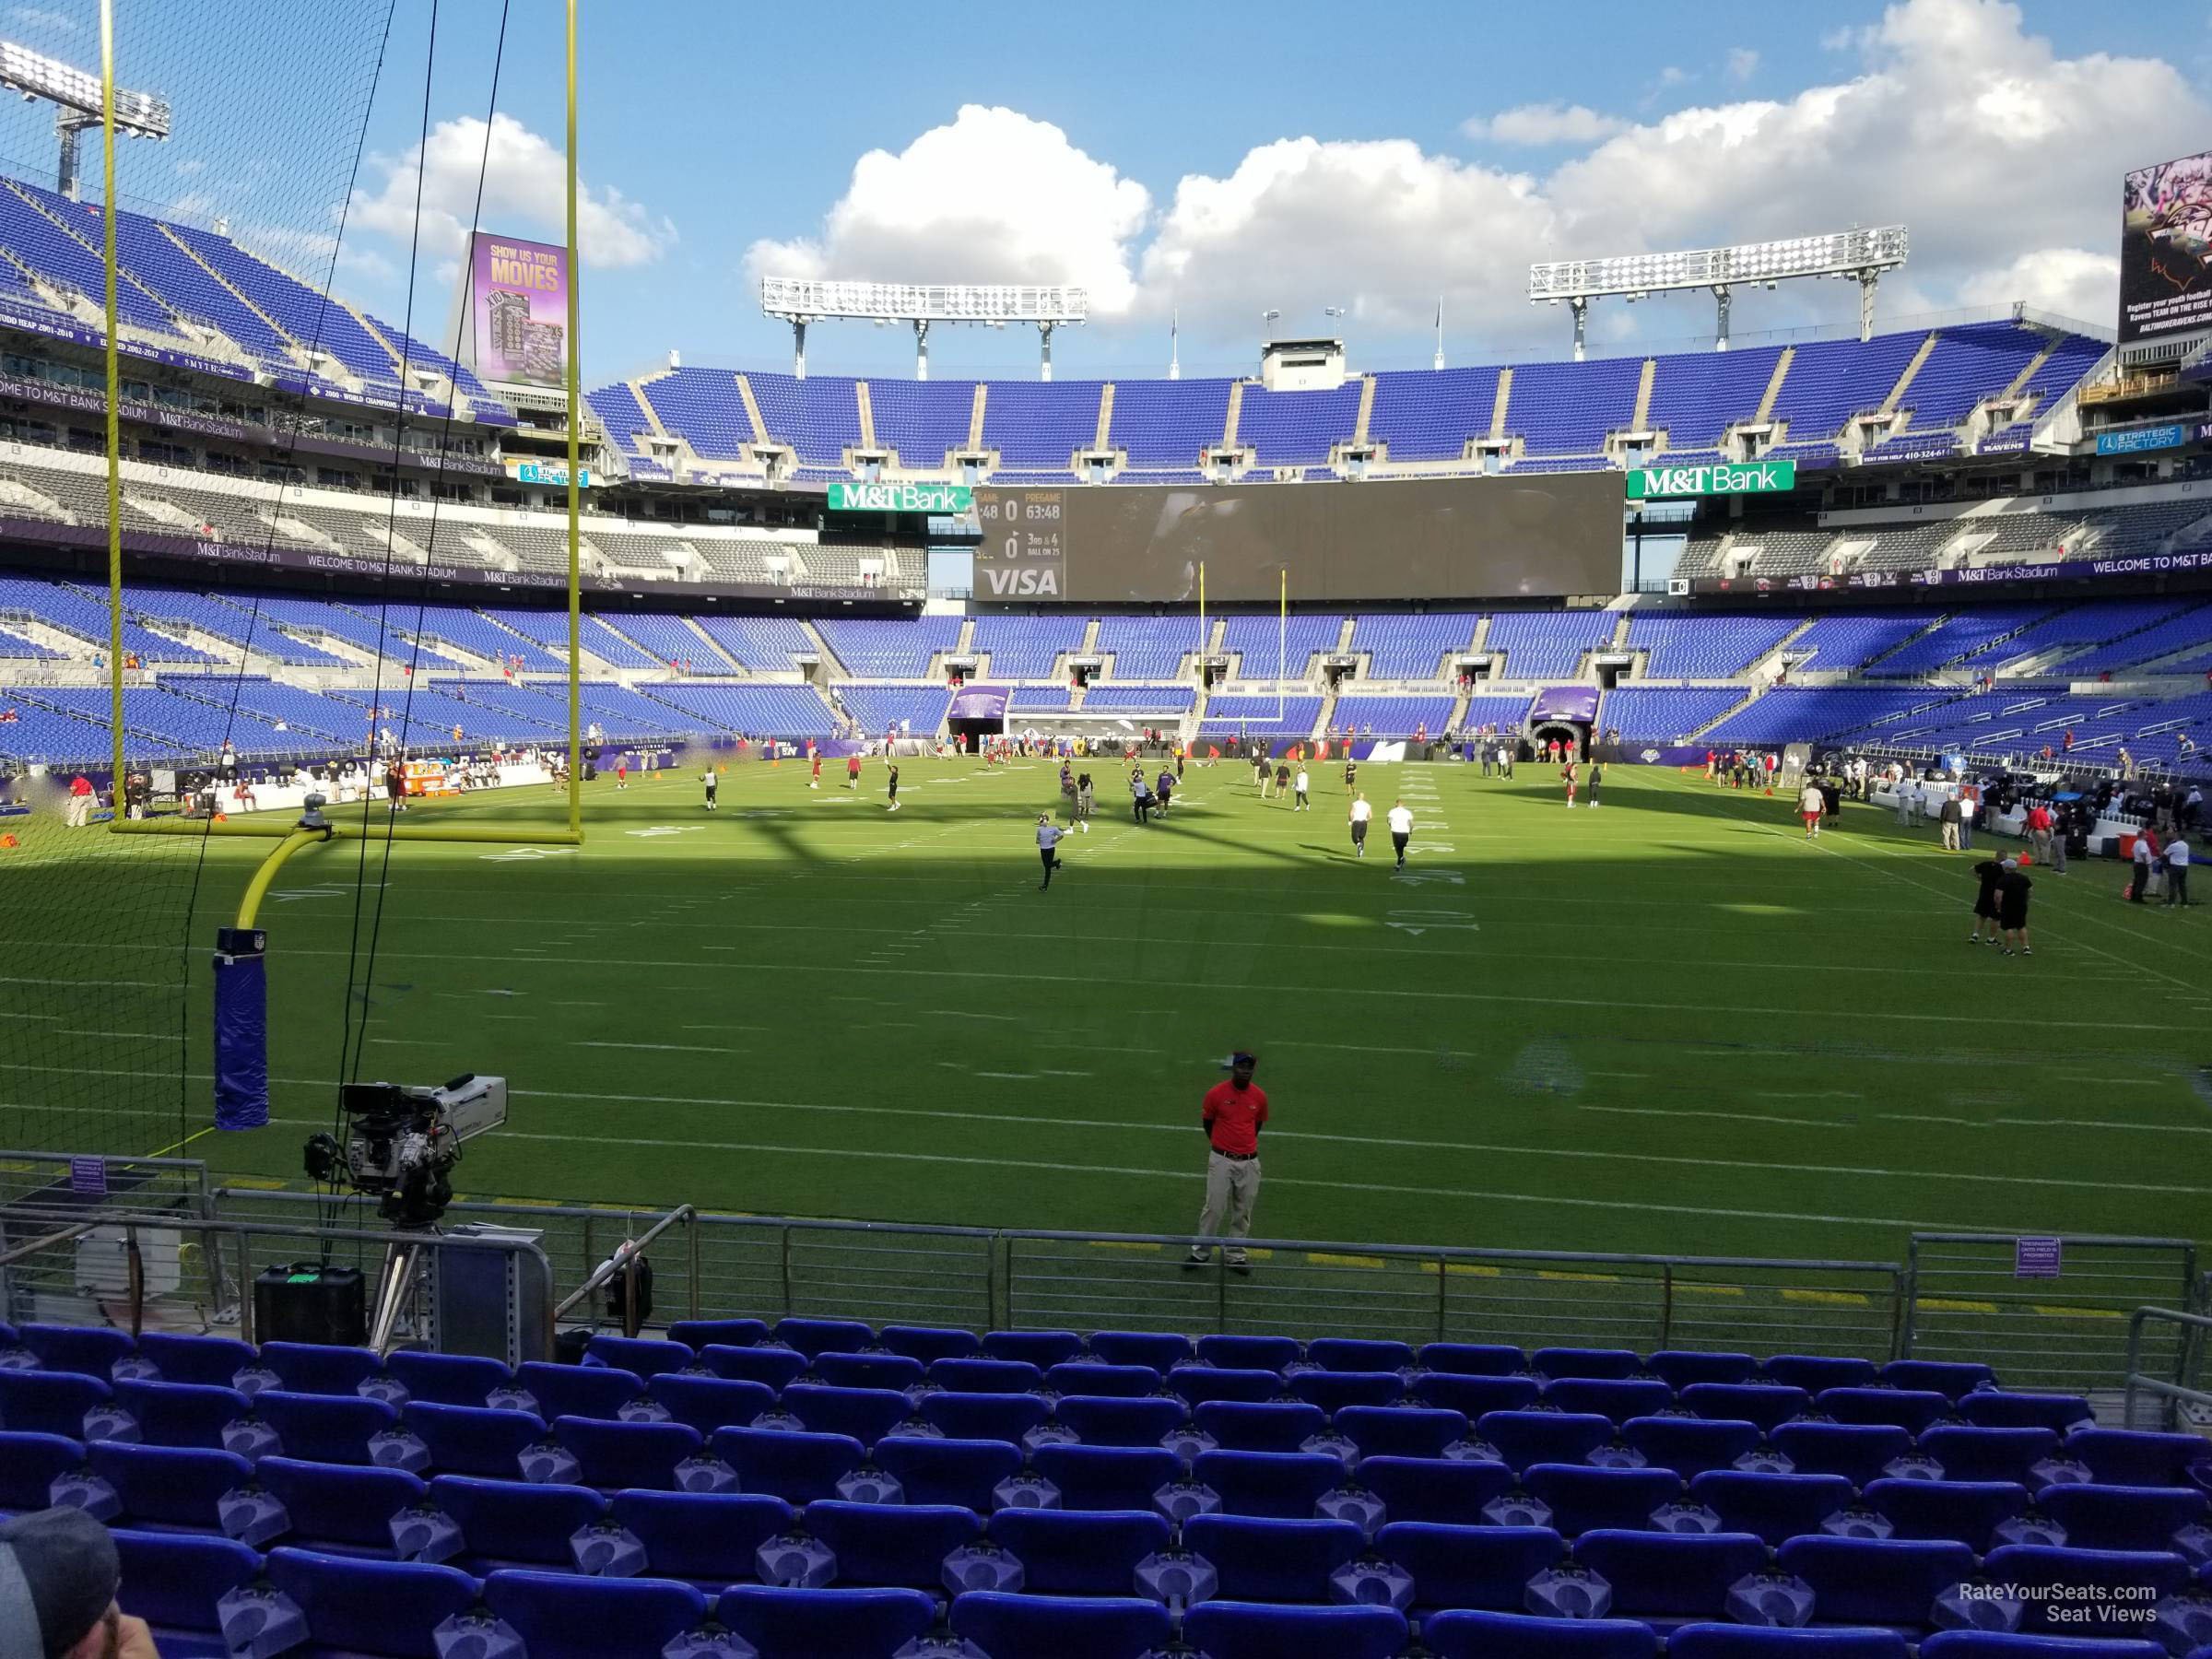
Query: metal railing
2166, 1394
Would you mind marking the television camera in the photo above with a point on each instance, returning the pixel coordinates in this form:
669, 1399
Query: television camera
400, 1143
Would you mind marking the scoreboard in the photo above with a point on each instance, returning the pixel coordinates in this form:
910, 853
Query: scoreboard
1023, 553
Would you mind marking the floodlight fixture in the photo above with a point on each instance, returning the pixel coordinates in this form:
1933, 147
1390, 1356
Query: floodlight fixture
1862, 255
799, 300
74, 94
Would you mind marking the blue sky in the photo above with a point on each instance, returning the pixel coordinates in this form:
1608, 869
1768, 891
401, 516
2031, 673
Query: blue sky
1176, 164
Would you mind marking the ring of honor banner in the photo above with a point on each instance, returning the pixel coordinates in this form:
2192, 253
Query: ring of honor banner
2166, 249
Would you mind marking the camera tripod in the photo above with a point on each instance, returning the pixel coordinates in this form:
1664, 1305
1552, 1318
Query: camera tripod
397, 1289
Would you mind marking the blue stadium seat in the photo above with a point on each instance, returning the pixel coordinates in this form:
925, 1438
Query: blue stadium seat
1096, 1377
1756, 1642
1911, 1409
611, 1456
1474, 1358
807, 1624
310, 1368
31, 1462
710, 1403
1117, 1422
986, 1376
1670, 1578
1006, 1417
893, 1544
214, 1361
643, 1357
173, 1582
1229, 1629
866, 1414
1046, 1627
1968, 1453
1814, 1372
384, 1608
1860, 1452
1080, 1552
1358, 1354
1486, 1567
1964, 1509
162, 1488
866, 1371
177, 1413
1107, 1477
1248, 1353
1199, 1383
1689, 1446
1334, 1390
507, 1524
1770, 1405
1259, 1426
1162, 1350
1890, 1582
1556, 1362
566, 1616
1584, 1499
2135, 1458
812, 1337
774, 1366
88, 1350
2001, 1408
798, 1468
1261, 1558
322, 1427
592, 1390
1400, 1430
50, 1401
965, 1472
927, 1343
446, 1379
1524, 1437
473, 1440
2122, 1517
1993, 1645
1678, 1368
337, 1509
1042, 1349
1951, 1378
1440, 1489
1474, 1397
699, 1335
1615, 1399
1465, 1633
1285, 1485
708, 1539
1774, 1506
2147, 1574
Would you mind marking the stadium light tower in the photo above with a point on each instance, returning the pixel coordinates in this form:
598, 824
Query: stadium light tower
800, 300
1862, 255
74, 94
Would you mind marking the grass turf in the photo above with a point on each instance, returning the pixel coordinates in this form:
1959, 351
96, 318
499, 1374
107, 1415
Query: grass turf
1667, 1024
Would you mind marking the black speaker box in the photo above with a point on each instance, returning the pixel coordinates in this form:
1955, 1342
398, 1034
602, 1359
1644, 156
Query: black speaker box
310, 1301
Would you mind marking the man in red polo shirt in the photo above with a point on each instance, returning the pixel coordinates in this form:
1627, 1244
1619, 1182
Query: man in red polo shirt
1231, 1117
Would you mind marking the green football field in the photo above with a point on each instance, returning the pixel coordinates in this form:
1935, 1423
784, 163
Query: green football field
1666, 1025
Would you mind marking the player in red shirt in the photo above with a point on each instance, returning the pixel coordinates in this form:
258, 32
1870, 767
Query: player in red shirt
852, 771
815, 782
1231, 1116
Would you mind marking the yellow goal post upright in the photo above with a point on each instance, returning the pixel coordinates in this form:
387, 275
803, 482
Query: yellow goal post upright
289, 838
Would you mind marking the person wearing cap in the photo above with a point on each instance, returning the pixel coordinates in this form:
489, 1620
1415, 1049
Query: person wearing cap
59, 1573
1048, 840
1231, 1116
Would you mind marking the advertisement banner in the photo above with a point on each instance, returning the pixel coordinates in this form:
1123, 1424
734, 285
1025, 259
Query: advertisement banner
548, 472
945, 500
2166, 249
1021, 554
978, 703
518, 308
1723, 478
1576, 703
2136, 440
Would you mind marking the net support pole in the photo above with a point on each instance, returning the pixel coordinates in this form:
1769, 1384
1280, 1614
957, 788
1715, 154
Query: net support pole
575, 470
1282, 641
114, 389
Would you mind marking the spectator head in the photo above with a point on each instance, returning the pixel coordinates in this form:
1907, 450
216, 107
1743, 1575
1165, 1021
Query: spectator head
58, 1577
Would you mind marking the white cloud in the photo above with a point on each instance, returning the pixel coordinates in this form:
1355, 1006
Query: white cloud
523, 179
2071, 282
1742, 63
992, 196
39, 16
1553, 122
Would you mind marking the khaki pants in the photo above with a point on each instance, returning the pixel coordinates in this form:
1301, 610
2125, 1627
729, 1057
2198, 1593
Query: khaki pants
1950, 838
1231, 1185
79, 811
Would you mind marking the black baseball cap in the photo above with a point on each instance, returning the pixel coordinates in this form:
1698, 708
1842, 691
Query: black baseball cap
58, 1577
1243, 1057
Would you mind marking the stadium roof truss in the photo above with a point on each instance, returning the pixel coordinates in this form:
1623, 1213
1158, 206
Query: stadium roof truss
1861, 255
800, 300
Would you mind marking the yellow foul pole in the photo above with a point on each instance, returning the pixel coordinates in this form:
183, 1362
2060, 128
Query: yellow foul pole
107, 136
575, 470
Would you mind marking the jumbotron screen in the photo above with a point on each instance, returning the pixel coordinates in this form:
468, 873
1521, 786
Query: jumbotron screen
1463, 538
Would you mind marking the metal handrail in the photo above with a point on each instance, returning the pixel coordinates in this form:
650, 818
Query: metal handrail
624, 1260
2175, 1391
